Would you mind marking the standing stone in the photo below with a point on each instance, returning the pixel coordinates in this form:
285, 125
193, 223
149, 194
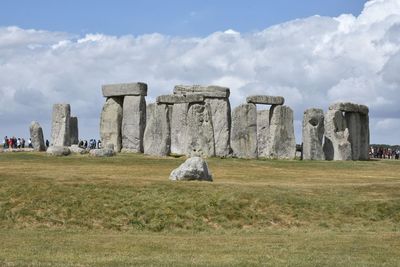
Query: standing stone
244, 131
313, 133
353, 123
364, 139
200, 135
262, 132
221, 121
37, 139
281, 143
179, 128
60, 125
133, 123
336, 145
110, 123
157, 136
73, 130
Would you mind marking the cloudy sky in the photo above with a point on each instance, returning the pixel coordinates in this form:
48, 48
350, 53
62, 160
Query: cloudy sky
313, 53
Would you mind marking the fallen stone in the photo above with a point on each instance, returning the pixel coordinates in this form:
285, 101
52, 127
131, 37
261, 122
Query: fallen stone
313, 134
102, 152
194, 168
78, 150
157, 136
244, 131
206, 91
124, 89
221, 122
266, 100
262, 132
36, 133
281, 143
179, 99
179, 128
133, 123
336, 145
111, 122
58, 151
349, 107
73, 130
200, 135
60, 125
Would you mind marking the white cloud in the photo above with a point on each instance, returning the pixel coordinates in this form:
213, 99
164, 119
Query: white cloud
312, 62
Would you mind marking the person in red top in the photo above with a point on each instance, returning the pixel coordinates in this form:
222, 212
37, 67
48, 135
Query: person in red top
10, 143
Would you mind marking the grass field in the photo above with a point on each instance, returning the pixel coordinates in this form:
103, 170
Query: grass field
120, 211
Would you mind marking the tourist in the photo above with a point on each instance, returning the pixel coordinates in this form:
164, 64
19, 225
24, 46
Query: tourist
30, 143
47, 143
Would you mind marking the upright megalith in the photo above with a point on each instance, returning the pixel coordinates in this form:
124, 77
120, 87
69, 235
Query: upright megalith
262, 132
244, 131
73, 130
179, 128
200, 135
217, 98
353, 122
60, 132
281, 143
110, 123
313, 134
37, 139
364, 139
133, 123
157, 135
336, 145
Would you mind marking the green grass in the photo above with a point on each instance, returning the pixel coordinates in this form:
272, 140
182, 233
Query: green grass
123, 210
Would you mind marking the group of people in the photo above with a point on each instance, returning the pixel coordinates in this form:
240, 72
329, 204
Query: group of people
384, 153
18, 143
92, 144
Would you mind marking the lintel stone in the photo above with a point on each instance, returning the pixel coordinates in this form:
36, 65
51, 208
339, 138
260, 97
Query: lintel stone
122, 89
349, 107
211, 91
266, 100
179, 99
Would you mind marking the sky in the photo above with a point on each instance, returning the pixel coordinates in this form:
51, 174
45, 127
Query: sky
313, 53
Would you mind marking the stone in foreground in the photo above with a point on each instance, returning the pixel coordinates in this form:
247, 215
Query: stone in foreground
194, 168
77, 150
58, 151
281, 143
102, 152
111, 122
123, 89
244, 131
60, 125
313, 133
37, 139
266, 100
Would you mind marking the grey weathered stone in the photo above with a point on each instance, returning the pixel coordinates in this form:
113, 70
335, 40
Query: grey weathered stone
178, 99
60, 125
266, 100
313, 134
262, 132
58, 151
364, 136
353, 123
221, 122
336, 145
207, 91
102, 152
199, 131
37, 139
73, 131
194, 168
179, 128
133, 123
157, 136
77, 150
111, 122
349, 107
281, 143
124, 89
244, 131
